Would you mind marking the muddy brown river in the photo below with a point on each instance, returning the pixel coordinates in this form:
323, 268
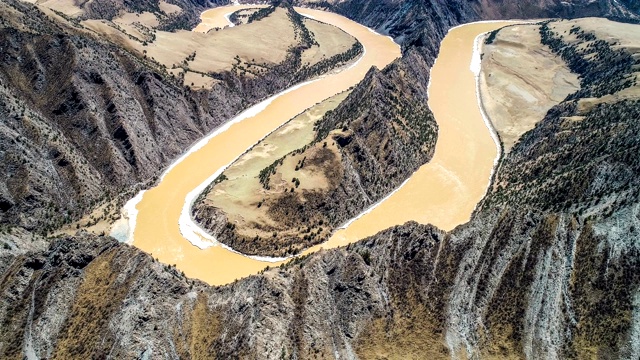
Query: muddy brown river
443, 192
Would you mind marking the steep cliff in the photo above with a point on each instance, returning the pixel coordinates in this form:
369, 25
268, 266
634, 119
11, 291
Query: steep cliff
513, 283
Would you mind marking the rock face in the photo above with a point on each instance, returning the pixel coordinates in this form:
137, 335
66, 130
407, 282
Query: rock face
83, 119
546, 270
513, 283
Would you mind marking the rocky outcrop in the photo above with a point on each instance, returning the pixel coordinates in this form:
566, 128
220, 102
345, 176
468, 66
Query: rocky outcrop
78, 128
98, 291
512, 283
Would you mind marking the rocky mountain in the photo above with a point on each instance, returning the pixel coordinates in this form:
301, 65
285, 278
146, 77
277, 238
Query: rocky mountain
517, 281
546, 270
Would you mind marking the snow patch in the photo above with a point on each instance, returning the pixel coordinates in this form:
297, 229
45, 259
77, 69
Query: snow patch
129, 216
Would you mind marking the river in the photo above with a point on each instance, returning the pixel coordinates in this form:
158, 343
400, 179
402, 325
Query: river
156, 228
443, 192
